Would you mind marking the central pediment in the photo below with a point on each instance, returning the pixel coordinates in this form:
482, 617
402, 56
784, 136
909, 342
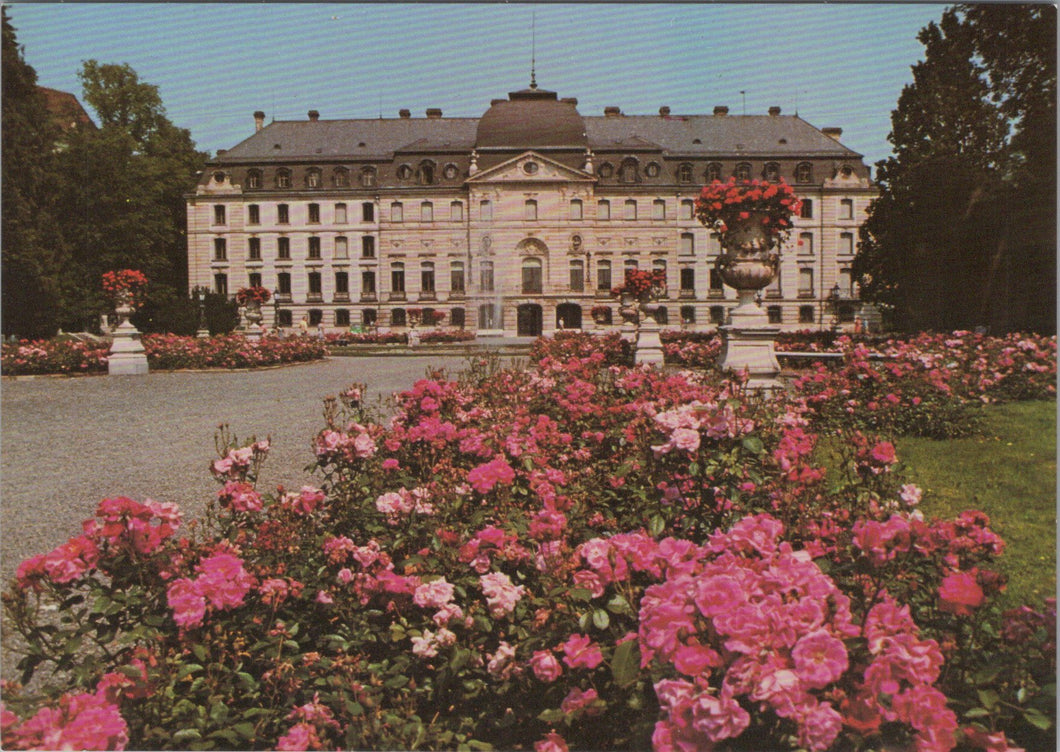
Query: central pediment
531, 167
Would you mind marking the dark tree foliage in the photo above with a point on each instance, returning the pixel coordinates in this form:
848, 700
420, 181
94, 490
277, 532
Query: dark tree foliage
963, 233
32, 249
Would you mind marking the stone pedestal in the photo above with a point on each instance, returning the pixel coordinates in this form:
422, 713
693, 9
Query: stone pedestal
748, 344
253, 329
648, 348
127, 356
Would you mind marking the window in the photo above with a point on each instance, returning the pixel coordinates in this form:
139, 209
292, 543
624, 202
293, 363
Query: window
577, 275
427, 277
846, 283
397, 212
771, 172
450, 172
368, 246
629, 171
658, 209
630, 209
628, 265
368, 318
341, 177
575, 210
312, 178
283, 283
284, 318
489, 315
530, 209
806, 212
846, 209
315, 316
688, 314
458, 317
714, 244
283, 215
806, 243
342, 283
688, 244
531, 277
659, 265
342, 247
485, 211
773, 314
684, 211
253, 214
717, 315
456, 278
340, 214
684, 172
426, 212
368, 177
368, 212
314, 284
219, 214
606, 170
342, 317
742, 171
486, 276
603, 275
717, 286
714, 172
688, 279
804, 172
220, 284
254, 279
456, 212
283, 248
220, 249
805, 314
254, 249
254, 179
603, 209
404, 172
846, 243
397, 278
425, 173
368, 282
283, 178
805, 282
314, 247
314, 214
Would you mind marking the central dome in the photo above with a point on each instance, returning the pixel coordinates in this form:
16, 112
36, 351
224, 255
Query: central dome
531, 119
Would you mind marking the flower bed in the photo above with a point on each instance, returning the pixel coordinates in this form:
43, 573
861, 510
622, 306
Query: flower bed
427, 336
577, 555
164, 352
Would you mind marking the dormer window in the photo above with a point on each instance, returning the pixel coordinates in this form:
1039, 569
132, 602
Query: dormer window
804, 172
652, 170
312, 178
404, 172
530, 168
254, 179
425, 173
606, 170
450, 172
341, 177
684, 173
629, 172
713, 172
771, 172
742, 171
219, 177
283, 178
368, 177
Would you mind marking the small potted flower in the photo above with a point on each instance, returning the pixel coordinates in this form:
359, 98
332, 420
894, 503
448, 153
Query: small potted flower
601, 314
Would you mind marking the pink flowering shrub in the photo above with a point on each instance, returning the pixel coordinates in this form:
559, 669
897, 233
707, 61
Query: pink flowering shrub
578, 555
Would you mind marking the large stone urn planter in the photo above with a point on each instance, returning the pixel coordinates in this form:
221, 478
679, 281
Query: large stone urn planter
127, 356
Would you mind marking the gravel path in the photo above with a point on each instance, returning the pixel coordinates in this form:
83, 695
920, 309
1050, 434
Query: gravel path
67, 443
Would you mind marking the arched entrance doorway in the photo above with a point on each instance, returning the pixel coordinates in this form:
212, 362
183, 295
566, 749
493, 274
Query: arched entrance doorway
568, 316
529, 320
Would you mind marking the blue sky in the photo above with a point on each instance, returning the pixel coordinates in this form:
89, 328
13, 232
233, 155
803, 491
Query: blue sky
215, 64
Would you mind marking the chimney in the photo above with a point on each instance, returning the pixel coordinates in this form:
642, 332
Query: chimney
774, 111
721, 110
612, 111
314, 115
434, 113
833, 133
664, 111
570, 100
404, 114
259, 120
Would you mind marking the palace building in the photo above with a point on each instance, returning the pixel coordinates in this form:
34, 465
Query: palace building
520, 221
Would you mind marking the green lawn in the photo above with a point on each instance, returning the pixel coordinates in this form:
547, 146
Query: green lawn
1009, 472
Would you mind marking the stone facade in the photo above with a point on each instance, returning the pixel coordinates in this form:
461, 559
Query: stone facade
519, 222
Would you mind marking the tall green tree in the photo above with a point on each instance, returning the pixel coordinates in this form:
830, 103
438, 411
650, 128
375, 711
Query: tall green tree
33, 252
942, 247
124, 188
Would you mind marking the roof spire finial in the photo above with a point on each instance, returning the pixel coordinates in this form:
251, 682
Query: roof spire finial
533, 49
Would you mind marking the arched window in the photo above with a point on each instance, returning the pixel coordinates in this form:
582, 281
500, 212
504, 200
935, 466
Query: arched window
771, 172
254, 179
806, 212
404, 172
603, 274
426, 212
603, 209
312, 178
425, 173
397, 317
658, 209
806, 243
713, 172
684, 172
577, 275
485, 278
427, 278
804, 172
456, 211
283, 178
629, 172
631, 208
606, 170
532, 282
456, 278
367, 177
397, 280
576, 209
341, 177
397, 212
684, 211
742, 171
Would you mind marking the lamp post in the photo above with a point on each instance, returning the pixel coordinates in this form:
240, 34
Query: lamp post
276, 309
203, 332
833, 299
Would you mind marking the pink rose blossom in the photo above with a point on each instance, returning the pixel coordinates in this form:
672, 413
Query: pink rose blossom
960, 594
552, 742
501, 593
820, 659
545, 666
434, 594
188, 605
579, 651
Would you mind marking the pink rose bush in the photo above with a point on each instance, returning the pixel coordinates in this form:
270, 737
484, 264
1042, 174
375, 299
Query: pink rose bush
577, 555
